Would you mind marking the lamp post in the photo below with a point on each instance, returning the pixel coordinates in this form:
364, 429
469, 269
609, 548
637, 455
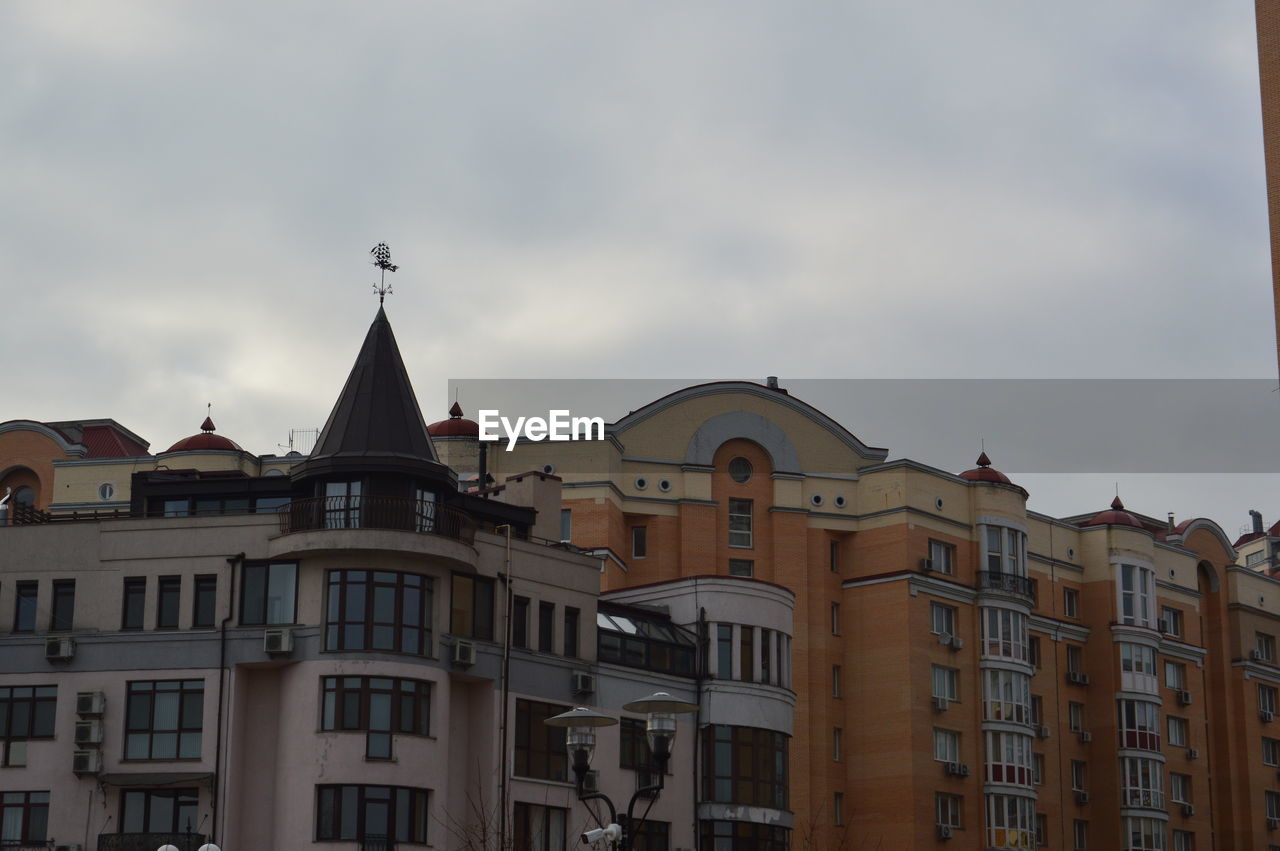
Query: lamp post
580, 739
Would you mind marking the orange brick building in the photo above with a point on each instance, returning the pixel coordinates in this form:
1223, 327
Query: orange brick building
1268, 18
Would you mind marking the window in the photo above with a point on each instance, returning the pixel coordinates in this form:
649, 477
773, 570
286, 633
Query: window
1080, 835
746, 658
1009, 758
947, 809
744, 835
653, 836
269, 594
1137, 595
540, 750
946, 745
1010, 821
1184, 840
158, 810
1006, 551
942, 557
1273, 804
520, 622
1075, 658
835, 556
633, 746
64, 605
724, 651
744, 765
1037, 769
944, 682
26, 712
24, 818
1144, 834
164, 719
1070, 603
1267, 699
1138, 668
380, 706
1077, 776
398, 813
740, 523
566, 525
135, 600
1143, 782
24, 612
943, 619
766, 654
1270, 751
835, 618
1266, 646
204, 604
639, 541
742, 567
1042, 830
471, 614
1037, 710
546, 626
1006, 696
342, 505
572, 617
740, 470
835, 681
837, 809
1172, 619
1075, 716
380, 610
1033, 651
1254, 558
1180, 788
170, 593
1177, 732
540, 828
837, 743
1139, 725
1175, 675
638, 639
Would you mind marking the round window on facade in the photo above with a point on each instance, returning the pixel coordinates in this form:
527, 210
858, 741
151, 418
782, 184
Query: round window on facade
664, 485
641, 483
549, 469
816, 499
1071, 552
840, 501
740, 470
938, 503
106, 490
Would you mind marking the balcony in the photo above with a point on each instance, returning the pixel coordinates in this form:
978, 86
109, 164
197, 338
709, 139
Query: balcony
386, 513
1008, 583
149, 841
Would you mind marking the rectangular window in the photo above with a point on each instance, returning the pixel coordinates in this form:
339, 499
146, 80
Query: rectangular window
546, 627
64, 605
566, 525
1037, 769
944, 683
1077, 775
204, 606
342, 505
1137, 595
379, 610
837, 808
520, 622
943, 619
269, 595
1139, 724
164, 719
1177, 732
740, 523
745, 766
656, 836
1184, 840
1075, 658
835, 681
24, 819
1080, 835
742, 567
946, 745
947, 809
379, 706
942, 557
398, 813
1037, 710
158, 810
540, 828
169, 591
1273, 804
1070, 603
1180, 788
1270, 751
633, 745
835, 556
471, 612
1266, 646
24, 611
135, 600
1042, 830
1033, 651
1075, 716
746, 653
766, 653
572, 618
26, 712
837, 743
1267, 699
1175, 675
724, 651
540, 750
639, 541
835, 618
1172, 621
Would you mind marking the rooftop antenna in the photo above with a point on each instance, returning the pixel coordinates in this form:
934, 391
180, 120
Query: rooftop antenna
382, 259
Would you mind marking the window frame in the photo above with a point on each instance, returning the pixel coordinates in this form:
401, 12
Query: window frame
340, 625
948, 679
417, 799
539, 751
184, 725
946, 745
1070, 603
403, 697
62, 612
270, 592
168, 601
134, 591
34, 806
26, 605
942, 618
530, 819
942, 556
476, 621
204, 589
186, 800
639, 542
741, 523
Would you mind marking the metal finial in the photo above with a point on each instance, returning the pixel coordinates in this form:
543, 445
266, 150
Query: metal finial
382, 259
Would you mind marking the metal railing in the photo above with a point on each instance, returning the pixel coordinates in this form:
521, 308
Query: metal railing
1009, 583
149, 841
377, 512
371, 842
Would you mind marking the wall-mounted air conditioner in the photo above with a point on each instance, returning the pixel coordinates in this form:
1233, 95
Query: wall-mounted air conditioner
88, 733
464, 653
86, 762
90, 704
277, 640
583, 683
59, 649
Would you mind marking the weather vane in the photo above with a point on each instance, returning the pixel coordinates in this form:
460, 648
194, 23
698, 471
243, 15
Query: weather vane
382, 259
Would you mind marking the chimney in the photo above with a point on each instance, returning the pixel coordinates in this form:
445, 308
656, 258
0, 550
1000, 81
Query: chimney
771, 382
1171, 523
1257, 521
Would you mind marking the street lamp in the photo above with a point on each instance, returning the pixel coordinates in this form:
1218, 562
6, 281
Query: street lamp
580, 740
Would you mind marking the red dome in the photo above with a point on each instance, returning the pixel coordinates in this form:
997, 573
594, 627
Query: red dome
984, 472
204, 441
455, 426
1116, 516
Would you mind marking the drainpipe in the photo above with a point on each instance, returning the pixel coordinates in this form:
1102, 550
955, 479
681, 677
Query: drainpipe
233, 562
504, 786
700, 673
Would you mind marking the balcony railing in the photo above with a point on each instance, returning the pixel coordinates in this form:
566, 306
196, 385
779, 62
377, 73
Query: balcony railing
377, 512
377, 843
1008, 583
149, 841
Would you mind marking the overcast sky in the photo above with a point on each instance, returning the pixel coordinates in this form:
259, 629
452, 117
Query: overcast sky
188, 194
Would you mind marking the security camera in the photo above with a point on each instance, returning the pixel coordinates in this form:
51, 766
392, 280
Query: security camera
612, 833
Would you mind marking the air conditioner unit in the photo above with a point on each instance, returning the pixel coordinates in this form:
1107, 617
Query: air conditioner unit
926, 564
591, 781
583, 683
1255, 655
1273, 824
464, 653
1077, 678
940, 704
88, 733
1043, 732
1086, 737
1267, 716
1184, 698
944, 639
90, 704
277, 640
1188, 809
944, 831
59, 649
1082, 797
1192, 753
86, 762
956, 642
957, 769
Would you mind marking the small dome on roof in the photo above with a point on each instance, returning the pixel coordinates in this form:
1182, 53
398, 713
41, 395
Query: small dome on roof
455, 426
205, 440
1115, 516
984, 472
